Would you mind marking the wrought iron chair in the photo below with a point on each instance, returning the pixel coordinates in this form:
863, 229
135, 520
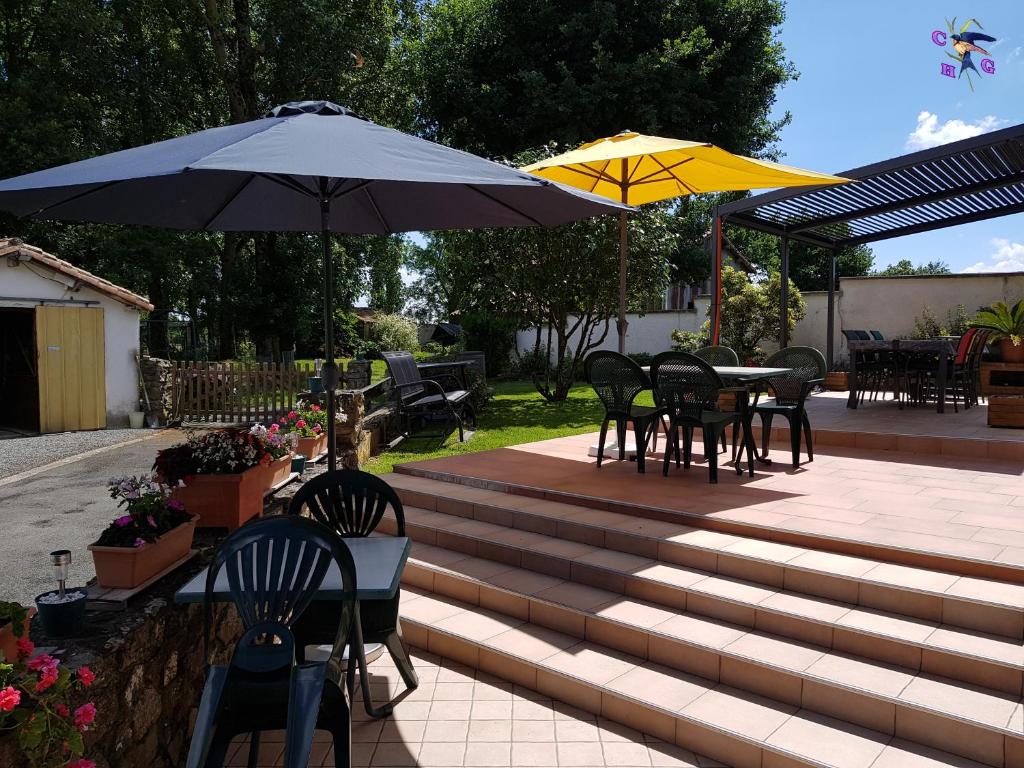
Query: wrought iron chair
807, 371
352, 504
274, 568
687, 388
617, 380
426, 399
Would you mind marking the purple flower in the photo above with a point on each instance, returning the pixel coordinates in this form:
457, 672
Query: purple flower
176, 505
151, 521
139, 543
123, 521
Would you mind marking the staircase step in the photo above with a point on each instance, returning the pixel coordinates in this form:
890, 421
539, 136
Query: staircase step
531, 563
740, 728
984, 605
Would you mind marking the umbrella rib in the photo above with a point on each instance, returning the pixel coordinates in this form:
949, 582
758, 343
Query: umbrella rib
667, 169
503, 204
376, 209
71, 199
361, 185
229, 200
287, 182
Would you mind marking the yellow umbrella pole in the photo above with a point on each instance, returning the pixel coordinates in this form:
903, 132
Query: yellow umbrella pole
623, 254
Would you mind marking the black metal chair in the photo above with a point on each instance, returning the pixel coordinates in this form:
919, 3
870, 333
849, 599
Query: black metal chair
618, 380
352, 504
426, 399
274, 567
687, 387
807, 371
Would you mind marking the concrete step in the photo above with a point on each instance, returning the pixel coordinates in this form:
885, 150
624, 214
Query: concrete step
708, 716
980, 659
984, 605
931, 710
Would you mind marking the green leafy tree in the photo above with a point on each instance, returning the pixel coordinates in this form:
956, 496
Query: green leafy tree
907, 267
752, 312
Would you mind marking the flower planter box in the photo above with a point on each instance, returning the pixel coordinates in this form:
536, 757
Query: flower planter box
9, 640
1006, 411
312, 447
277, 471
837, 381
128, 567
224, 501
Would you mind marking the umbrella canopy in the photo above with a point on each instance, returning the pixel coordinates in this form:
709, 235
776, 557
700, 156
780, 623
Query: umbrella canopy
638, 169
309, 166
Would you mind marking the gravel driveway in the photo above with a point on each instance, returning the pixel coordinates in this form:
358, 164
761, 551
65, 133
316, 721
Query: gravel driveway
18, 454
63, 508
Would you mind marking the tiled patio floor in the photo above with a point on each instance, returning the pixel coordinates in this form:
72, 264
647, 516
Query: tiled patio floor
463, 717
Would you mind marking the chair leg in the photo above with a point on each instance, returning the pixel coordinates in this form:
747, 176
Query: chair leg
671, 446
724, 447
341, 735
620, 435
807, 436
254, 749
766, 432
600, 441
687, 447
219, 745
396, 648
640, 439
794, 441
711, 453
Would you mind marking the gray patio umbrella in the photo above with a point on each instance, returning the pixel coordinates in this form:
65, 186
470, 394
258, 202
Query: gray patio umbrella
309, 166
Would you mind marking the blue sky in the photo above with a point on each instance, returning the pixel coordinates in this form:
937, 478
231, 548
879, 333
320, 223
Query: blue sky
870, 88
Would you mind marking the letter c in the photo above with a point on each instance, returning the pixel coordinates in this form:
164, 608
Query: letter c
939, 37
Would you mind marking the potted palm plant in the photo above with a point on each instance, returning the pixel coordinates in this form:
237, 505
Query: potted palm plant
154, 533
220, 475
1007, 326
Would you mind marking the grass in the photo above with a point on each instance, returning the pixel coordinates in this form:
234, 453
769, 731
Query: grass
517, 414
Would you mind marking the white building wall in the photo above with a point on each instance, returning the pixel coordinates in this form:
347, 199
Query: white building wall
24, 284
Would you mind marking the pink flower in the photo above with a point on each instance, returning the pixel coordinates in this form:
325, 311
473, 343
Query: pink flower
123, 521
283, 420
81, 763
46, 678
42, 663
314, 408
84, 716
139, 542
151, 520
25, 647
176, 505
275, 428
317, 428
300, 424
86, 676
10, 697
292, 415
61, 709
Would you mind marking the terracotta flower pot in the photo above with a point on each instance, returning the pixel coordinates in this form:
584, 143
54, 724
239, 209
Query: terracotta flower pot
277, 471
224, 501
9, 640
128, 567
1012, 353
837, 381
312, 447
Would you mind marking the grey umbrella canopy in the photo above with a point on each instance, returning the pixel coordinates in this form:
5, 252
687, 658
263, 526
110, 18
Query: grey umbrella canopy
309, 166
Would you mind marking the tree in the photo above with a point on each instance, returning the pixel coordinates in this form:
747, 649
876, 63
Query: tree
906, 267
752, 312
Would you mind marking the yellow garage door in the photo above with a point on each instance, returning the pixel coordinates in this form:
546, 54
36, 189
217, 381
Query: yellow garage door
72, 382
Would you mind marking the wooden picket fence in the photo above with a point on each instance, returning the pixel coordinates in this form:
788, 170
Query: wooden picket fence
236, 393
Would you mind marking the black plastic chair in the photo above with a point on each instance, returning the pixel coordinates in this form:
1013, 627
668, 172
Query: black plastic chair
720, 356
426, 399
791, 390
274, 568
352, 504
687, 388
877, 335
617, 380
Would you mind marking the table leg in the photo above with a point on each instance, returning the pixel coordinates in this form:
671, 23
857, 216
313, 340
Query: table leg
851, 401
748, 431
940, 382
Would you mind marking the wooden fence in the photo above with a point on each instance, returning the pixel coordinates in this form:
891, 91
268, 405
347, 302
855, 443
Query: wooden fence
236, 393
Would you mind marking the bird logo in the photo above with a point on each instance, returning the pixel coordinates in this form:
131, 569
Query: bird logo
965, 43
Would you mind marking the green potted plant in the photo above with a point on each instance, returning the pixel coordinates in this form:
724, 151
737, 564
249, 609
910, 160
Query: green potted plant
1007, 326
309, 426
14, 619
36, 695
155, 533
219, 475
280, 446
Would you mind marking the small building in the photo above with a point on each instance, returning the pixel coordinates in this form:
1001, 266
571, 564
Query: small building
68, 344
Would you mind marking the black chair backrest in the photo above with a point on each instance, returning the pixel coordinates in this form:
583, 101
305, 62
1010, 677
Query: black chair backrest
723, 356
274, 568
616, 379
877, 336
806, 364
851, 335
684, 383
403, 370
349, 502
863, 336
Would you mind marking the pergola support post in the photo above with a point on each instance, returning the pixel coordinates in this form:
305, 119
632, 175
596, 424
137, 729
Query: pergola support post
784, 294
831, 341
716, 277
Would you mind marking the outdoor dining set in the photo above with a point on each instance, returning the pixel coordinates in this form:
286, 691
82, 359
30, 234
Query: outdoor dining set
316, 596
706, 390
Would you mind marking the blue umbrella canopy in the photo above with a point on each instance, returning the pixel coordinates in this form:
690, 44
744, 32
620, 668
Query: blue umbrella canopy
309, 166
273, 175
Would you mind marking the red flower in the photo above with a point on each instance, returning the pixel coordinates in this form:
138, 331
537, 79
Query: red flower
85, 715
25, 647
10, 697
292, 415
275, 427
300, 424
81, 763
317, 428
46, 678
314, 408
61, 709
283, 420
43, 662
86, 676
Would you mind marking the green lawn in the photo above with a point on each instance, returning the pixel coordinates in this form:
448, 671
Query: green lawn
517, 414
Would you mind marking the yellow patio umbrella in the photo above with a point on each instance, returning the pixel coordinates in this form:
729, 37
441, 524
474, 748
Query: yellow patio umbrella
638, 169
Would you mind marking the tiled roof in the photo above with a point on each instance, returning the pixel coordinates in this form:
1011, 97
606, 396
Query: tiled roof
15, 246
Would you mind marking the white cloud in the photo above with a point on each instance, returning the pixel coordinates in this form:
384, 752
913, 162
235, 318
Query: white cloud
931, 133
1008, 257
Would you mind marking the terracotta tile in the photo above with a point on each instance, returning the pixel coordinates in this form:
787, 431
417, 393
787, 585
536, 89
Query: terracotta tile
888, 625
533, 730
738, 712
960, 699
981, 673
525, 709
674, 653
452, 647
989, 591
772, 623
627, 712
558, 618
488, 753
634, 613
905, 754
731, 751
578, 595
513, 670
572, 753
575, 730
395, 754
662, 686
671, 574
785, 654
705, 605
949, 735
1000, 621
618, 636
828, 740
490, 730
590, 662
665, 755
757, 571
505, 602
904, 602
766, 681
579, 694
523, 581
532, 642
626, 754
430, 610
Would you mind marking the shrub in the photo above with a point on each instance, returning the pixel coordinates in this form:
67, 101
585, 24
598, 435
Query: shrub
529, 363
688, 341
927, 325
395, 333
640, 358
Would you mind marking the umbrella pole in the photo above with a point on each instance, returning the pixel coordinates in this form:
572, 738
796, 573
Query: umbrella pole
330, 370
623, 254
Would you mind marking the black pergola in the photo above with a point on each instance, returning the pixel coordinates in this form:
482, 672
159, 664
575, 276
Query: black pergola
970, 180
